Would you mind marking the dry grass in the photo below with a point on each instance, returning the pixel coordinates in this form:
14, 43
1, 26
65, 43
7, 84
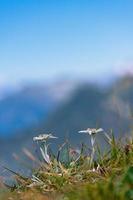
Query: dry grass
69, 175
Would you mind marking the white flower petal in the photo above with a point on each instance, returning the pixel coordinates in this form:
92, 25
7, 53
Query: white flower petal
43, 137
99, 130
83, 131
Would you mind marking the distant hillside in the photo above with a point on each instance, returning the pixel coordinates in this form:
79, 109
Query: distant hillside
29, 106
93, 106
89, 106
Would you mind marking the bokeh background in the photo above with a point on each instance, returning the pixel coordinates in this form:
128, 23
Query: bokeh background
64, 66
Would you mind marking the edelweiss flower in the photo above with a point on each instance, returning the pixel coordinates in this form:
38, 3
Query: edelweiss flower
43, 145
43, 137
91, 131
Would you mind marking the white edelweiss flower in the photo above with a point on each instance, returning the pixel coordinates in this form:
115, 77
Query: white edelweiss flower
43, 137
91, 131
44, 149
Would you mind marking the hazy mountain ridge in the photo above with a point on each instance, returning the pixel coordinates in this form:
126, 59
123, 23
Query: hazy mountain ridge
29, 106
89, 106
92, 107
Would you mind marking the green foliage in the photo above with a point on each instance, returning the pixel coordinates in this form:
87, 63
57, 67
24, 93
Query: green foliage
71, 177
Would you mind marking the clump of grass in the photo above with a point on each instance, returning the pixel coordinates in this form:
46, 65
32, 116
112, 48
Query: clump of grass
75, 174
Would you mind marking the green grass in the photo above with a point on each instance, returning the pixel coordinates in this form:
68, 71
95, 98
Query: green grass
69, 175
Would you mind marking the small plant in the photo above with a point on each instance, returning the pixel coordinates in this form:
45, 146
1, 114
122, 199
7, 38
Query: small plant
92, 133
44, 146
75, 175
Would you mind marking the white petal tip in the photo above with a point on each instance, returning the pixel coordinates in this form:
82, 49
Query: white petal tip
83, 131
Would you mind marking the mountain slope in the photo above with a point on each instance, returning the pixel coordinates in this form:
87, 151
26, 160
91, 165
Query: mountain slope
29, 106
89, 106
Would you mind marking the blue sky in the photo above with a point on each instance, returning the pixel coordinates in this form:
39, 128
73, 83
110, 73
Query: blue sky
42, 39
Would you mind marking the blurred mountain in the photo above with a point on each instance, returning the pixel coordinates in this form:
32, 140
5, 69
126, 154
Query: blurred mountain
87, 106
92, 106
30, 105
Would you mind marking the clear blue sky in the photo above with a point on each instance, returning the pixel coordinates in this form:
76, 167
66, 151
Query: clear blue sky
43, 38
